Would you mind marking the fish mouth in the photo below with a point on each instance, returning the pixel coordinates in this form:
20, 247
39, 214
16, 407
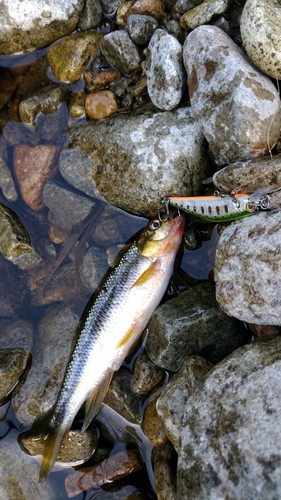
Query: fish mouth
173, 217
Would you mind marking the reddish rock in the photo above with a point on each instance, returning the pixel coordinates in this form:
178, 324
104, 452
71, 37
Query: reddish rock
153, 8
33, 168
101, 80
100, 105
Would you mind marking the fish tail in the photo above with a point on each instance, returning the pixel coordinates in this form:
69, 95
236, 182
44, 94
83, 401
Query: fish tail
50, 453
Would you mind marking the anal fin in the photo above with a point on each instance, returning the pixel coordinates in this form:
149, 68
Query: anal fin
95, 400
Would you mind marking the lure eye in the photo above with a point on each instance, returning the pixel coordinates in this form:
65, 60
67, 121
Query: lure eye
155, 224
250, 207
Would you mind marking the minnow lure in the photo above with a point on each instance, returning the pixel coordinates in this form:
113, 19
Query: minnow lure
220, 207
112, 323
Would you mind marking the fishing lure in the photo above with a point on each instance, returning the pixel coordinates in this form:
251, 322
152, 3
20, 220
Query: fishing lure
221, 207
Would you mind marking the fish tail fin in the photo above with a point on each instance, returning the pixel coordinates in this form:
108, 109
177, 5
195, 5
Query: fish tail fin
50, 453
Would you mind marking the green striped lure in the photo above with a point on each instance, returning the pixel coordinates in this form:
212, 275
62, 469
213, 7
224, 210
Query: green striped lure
220, 207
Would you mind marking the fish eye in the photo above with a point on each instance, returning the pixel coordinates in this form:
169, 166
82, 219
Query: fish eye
155, 224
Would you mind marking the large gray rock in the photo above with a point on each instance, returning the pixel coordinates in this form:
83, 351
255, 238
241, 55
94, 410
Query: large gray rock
247, 269
237, 106
28, 25
230, 438
134, 160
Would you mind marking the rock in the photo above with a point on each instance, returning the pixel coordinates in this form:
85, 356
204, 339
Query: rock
32, 25
203, 13
224, 89
15, 349
70, 56
251, 175
100, 105
152, 425
260, 25
172, 400
45, 100
13, 297
247, 284
121, 398
164, 460
165, 73
19, 473
67, 210
75, 449
7, 182
146, 375
161, 152
230, 440
110, 6
94, 82
123, 13
15, 239
120, 51
191, 323
37, 394
153, 8
265, 331
141, 28
93, 268
8, 85
91, 15
111, 469
33, 168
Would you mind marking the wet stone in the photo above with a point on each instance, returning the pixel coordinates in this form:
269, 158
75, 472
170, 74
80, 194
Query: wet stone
110, 6
46, 100
146, 375
100, 105
165, 73
70, 56
93, 267
153, 8
164, 459
174, 396
192, 323
247, 286
13, 297
203, 13
224, 87
7, 184
94, 82
141, 28
152, 425
91, 15
230, 439
122, 399
121, 52
37, 394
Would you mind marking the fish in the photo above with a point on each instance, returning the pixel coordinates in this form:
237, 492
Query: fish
113, 321
220, 207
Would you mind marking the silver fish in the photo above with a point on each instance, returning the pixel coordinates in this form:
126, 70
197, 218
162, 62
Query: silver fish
114, 322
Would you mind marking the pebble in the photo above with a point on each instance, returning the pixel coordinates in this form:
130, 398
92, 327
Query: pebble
46, 100
164, 459
191, 323
121, 52
123, 13
100, 105
8, 85
112, 469
247, 284
15, 239
152, 425
110, 6
32, 25
153, 8
146, 375
165, 74
33, 168
172, 401
91, 15
141, 28
94, 82
203, 13
37, 394
14, 300
265, 331
93, 267
260, 31
7, 182
224, 87
98, 164
230, 437
70, 56
115, 227
67, 210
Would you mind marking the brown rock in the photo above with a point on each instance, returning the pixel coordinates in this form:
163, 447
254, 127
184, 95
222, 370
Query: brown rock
100, 105
153, 426
33, 168
111, 469
101, 80
153, 8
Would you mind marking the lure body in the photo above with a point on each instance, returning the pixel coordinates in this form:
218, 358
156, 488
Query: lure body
220, 207
111, 326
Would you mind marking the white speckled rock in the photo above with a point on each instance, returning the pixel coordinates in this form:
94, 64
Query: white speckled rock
230, 440
248, 269
237, 106
28, 25
260, 30
165, 74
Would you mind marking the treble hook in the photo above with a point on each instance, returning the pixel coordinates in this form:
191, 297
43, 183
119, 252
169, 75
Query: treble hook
165, 202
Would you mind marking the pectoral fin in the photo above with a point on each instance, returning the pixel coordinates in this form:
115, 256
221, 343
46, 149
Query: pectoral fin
147, 275
95, 400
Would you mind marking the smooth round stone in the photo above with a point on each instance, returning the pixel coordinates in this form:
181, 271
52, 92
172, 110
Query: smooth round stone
260, 30
141, 28
165, 73
100, 104
121, 52
153, 8
248, 269
237, 106
203, 13
70, 56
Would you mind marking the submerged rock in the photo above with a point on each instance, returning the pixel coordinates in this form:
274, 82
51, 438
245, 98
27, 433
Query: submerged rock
230, 438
